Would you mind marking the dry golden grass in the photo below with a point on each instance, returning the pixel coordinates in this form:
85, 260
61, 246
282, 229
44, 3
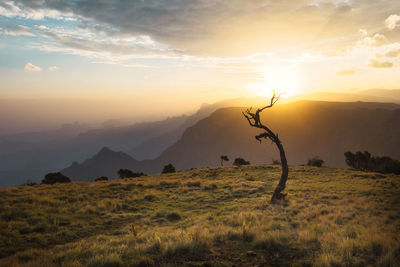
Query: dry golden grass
214, 217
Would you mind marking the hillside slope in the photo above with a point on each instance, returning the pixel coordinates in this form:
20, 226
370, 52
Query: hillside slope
208, 217
306, 128
153, 147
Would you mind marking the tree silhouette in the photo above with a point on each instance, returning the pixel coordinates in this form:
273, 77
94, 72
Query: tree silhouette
364, 161
315, 161
55, 177
169, 169
126, 173
224, 158
240, 162
102, 178
254, 121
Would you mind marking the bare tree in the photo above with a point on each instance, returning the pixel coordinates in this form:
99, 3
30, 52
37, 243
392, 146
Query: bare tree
254, 121
223, 158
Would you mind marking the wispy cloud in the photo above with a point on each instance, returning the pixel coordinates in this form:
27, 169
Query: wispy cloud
32, 68
212, 33
346, 72
53, 68
212, 27
380, 64
17, 30
89, 43
393, 53
12, 9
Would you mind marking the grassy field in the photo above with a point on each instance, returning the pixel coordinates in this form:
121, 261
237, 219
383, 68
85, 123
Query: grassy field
207, 217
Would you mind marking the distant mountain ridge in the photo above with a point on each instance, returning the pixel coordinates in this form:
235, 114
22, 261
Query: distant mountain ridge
146, 142
306, 128
105, 163
372, 95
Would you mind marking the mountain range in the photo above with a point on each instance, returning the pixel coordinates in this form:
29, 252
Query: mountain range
306, 128
189, 140
29, 158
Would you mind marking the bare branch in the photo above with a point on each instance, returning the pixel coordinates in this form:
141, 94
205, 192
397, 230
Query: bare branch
262, 135
274, 99
248, 119
254, 121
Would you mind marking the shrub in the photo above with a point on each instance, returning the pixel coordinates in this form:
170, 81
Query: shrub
150, 197
211, 187
239, 162
168, 169
193, 184
55, 177
364, 161
276, 162
126, 173
29, 183
102, 178
316, 162
173, 217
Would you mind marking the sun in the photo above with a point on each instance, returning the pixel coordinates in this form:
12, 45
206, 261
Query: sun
285, 81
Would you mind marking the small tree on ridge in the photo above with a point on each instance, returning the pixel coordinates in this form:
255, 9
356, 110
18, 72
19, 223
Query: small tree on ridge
224, 158
168, 169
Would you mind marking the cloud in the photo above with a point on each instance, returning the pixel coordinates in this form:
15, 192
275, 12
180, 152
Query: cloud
11, 9
86, 42
392, 22
346, 72
363, 32
380, 64
53, 68
32, 68
18, 30
375, 40
214, 27
393, 53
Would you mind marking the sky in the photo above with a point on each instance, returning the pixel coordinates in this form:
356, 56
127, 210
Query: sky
169, 56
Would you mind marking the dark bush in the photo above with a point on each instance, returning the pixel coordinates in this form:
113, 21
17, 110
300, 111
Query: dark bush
172, 217
211, 187
276, 162
316, 162
29, 183
193, 184
102, 178
164, 184
168, 169
126, 173
150, 197
239, 162
364, 161
55, 177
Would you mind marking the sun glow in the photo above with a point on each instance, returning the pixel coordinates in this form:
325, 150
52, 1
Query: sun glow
285, 81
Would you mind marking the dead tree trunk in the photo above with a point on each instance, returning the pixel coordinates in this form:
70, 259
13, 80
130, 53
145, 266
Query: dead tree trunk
254, 121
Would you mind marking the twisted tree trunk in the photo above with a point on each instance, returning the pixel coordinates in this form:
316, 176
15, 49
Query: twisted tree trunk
285, 172
254, 121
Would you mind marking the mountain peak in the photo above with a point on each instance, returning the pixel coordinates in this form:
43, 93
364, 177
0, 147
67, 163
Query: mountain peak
105, 150
105, 163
